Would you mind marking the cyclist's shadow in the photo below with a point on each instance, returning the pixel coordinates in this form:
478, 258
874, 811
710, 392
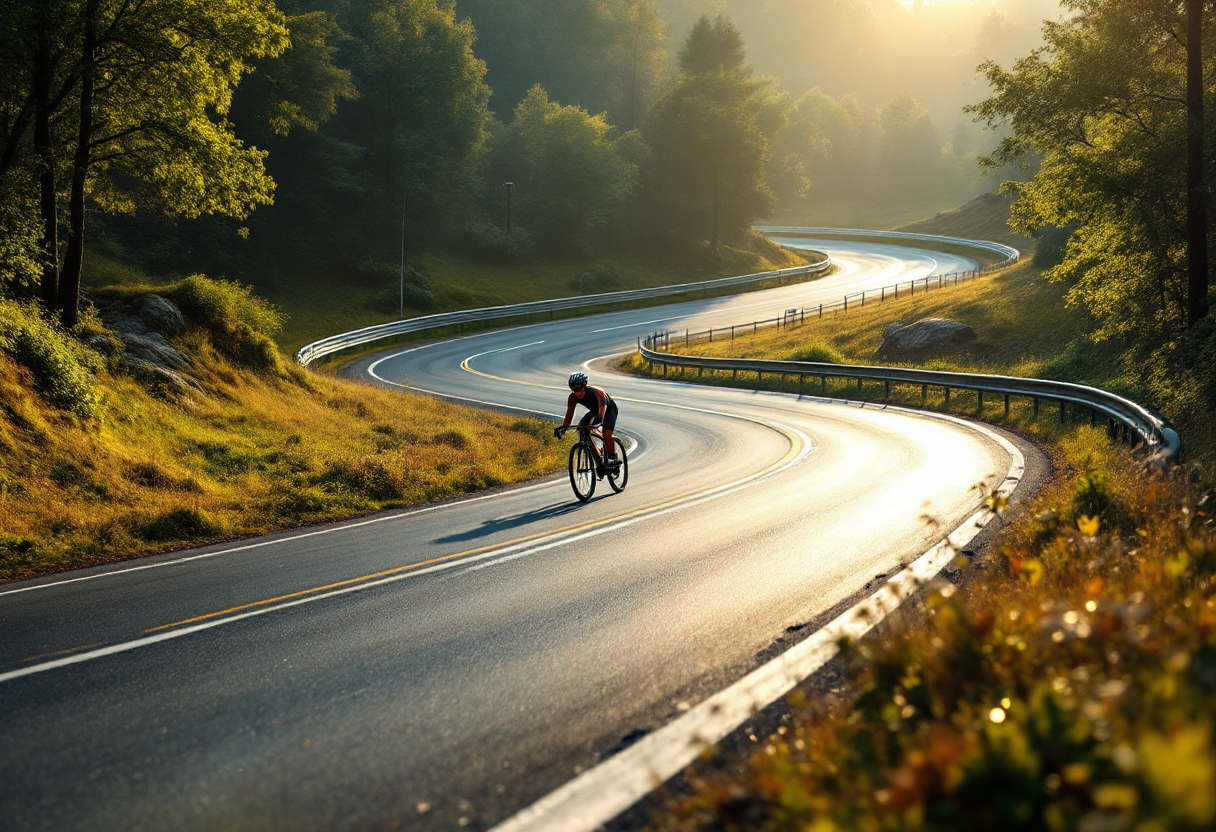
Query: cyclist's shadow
499, 524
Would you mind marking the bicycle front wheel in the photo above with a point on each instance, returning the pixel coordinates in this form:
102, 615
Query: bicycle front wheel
621, 477
582, 471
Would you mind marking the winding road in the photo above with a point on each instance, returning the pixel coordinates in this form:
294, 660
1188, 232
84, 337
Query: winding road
447, 666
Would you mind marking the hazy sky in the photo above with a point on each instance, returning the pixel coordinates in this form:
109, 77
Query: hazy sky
877, 49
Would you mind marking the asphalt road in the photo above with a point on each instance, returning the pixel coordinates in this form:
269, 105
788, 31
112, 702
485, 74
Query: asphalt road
445, 667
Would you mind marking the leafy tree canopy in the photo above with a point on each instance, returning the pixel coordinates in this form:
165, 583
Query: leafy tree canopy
711, 136
573, 181
1104, 102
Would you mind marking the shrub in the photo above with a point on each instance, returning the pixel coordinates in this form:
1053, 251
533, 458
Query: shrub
373, 480
493, 244
818, 353
220, 304
248, 347
388, 300
62, 367
180, 524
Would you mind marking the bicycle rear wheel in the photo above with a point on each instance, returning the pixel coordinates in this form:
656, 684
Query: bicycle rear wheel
621, 477
582, 471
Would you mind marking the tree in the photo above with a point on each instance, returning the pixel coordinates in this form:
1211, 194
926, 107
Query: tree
422, 119
602, 55
711, 137
141, 91
1106, 103
573, 181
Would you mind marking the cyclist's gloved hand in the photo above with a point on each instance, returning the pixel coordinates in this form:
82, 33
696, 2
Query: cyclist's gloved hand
558, 432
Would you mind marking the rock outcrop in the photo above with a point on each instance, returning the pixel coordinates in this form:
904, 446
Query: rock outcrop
924, 339
141, 326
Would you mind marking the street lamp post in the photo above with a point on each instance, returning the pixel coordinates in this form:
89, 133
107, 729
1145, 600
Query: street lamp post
401, 312
508, 186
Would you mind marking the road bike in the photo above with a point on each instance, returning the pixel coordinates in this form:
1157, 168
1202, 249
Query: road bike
587, 464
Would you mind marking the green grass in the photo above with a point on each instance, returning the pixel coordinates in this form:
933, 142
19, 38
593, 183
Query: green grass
1023, 327
319, 305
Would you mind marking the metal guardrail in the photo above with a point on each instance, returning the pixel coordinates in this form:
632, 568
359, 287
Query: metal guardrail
360, 337
1008, 254
799, 315
1157, 434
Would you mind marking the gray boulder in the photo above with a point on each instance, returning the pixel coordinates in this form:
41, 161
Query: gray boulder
162, 316
153, 348
924, 338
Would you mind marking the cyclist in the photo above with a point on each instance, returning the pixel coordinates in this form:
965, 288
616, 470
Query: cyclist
602, 411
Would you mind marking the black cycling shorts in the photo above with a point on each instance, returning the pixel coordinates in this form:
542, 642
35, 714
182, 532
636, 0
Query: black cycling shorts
593, 417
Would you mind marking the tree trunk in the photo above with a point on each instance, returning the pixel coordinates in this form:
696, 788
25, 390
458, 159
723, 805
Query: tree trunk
48, 245
713, 240
1196, 209
69, 279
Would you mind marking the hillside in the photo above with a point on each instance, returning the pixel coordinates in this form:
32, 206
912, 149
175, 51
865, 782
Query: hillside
111, 452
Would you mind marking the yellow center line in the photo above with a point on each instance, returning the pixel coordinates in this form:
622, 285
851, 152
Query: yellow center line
794, 448
67, 652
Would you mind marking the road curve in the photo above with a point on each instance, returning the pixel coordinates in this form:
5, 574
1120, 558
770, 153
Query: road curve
445, 667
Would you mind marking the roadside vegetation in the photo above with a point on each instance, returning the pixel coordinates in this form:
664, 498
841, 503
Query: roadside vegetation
1068, 686
105, 462
1064, 679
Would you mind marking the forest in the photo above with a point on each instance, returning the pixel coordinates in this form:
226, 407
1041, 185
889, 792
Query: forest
315, 140
303, 141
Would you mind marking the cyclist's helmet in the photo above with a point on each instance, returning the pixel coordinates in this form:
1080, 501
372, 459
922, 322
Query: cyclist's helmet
577, 380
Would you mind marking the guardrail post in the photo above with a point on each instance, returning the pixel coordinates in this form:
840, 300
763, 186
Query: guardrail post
664, 371
886, 391
700, 372
1036, 407
912, 284
1063, 413
823, 381
1093, 417
1006, 405
947, 389
759, 376
863, 298
924, 393
802, 315
821, 310
846, 303
735, 374
732, 332
859, 387
685, 338
711, 335
980, 407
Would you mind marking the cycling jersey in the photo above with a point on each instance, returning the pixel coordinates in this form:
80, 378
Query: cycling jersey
592, 400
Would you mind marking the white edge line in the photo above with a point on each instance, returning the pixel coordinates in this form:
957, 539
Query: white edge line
603, 792
514, 551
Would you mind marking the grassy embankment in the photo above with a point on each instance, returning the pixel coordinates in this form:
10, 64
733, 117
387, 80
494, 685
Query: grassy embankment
1070, 685
323, 304
100, 465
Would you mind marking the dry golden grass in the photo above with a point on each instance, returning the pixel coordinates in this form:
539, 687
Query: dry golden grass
1022, 322
254, 454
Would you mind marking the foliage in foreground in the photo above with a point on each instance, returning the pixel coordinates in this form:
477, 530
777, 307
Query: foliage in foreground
1071, 686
